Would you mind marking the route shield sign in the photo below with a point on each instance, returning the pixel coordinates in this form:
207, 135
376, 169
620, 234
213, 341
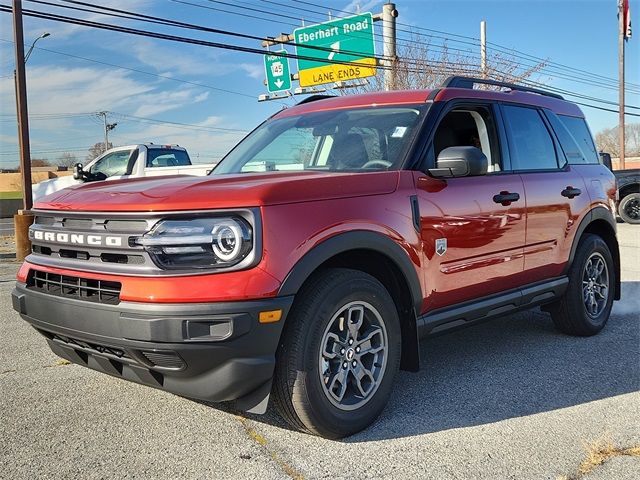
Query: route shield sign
277, 70
348, 40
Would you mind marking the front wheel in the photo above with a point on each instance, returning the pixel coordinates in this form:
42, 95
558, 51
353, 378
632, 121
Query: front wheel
586, 305
339, 355
629, 208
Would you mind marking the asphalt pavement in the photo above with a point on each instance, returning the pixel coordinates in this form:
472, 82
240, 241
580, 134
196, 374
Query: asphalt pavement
512, 398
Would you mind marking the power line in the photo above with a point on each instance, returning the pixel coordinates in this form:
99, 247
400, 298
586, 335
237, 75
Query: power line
503, 49
143, 72
178, 124
189, 40
182, 39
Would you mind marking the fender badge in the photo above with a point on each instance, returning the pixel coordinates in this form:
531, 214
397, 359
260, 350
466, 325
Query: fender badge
441, 246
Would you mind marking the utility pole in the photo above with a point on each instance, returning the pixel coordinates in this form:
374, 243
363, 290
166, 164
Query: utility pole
107, 128
21, 104
24, 218
389, 15
621, 35
483, 48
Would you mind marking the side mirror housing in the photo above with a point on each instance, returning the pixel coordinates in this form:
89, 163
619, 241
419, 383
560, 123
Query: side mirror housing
460, 162
77, 172
605, 159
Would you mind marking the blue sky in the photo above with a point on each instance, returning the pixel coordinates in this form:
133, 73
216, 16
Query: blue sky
210, 95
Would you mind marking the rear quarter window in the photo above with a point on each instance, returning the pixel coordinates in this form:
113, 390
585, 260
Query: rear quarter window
579, 130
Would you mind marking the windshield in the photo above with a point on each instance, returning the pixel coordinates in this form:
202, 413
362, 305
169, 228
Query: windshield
114, 163
364, 139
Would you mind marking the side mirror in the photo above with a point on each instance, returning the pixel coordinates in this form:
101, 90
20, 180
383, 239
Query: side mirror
460, 162
78, 172
605, 159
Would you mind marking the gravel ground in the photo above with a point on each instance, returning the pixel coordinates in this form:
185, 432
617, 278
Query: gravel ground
509, 399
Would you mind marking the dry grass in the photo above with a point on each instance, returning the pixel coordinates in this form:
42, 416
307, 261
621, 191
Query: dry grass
598, 453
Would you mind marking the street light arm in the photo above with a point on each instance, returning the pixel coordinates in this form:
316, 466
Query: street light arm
44, 35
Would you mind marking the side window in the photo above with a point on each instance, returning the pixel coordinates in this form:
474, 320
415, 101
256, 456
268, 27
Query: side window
581, 134
569, 146
469, 127
114, 163
530, 142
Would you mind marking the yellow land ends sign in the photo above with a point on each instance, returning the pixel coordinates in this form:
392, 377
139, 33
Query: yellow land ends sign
335, 72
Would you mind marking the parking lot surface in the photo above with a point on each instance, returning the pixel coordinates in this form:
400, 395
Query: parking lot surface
512, 398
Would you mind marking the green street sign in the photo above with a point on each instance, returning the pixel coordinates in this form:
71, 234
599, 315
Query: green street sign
347, 40
277, 70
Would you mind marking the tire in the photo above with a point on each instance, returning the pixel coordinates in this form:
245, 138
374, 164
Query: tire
629, 208
575, 313
310, 390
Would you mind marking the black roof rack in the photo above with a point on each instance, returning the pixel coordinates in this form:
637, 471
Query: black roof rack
469, 82
314, 98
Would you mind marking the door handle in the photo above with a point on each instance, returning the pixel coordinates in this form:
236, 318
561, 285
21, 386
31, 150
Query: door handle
570, 192
505, 198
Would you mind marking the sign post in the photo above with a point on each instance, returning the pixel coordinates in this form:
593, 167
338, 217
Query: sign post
347, 50
277, 70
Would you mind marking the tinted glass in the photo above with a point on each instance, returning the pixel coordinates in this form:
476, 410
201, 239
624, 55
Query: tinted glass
114, 163
569, 146
334, 140
581, 134
530, 142
158, 157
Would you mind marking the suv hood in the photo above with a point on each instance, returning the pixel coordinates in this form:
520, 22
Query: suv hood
180, 192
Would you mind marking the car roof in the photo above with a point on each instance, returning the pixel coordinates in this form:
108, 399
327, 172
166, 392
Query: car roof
413, 97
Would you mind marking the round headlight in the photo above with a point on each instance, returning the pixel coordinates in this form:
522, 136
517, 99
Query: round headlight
227, 240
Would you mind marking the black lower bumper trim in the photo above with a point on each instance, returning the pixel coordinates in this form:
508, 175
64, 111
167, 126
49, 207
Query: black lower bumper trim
213, 352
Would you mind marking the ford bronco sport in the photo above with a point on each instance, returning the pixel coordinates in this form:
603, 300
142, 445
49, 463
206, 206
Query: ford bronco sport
309, 263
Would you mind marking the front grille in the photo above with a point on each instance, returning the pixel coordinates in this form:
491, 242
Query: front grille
85, 242
87, 289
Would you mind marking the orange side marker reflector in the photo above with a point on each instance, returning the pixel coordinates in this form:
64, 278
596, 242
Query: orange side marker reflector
270, 316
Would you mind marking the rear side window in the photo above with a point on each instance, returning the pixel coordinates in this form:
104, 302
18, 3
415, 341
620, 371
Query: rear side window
581, 134
159, 157
530, 142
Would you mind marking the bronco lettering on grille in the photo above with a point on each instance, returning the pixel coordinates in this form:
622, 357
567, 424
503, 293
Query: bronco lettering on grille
78, 238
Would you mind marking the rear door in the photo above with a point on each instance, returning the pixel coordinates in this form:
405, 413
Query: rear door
471, 235
556, 195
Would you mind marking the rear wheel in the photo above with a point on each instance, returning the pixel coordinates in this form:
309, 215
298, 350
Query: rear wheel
586, 305
629, 208
339, 355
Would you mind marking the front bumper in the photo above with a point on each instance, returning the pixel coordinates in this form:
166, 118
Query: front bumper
208, 351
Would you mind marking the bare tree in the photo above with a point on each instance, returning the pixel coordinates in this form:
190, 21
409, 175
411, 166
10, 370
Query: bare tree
97, 150
421, 65
67, 160
40, 162
607, 140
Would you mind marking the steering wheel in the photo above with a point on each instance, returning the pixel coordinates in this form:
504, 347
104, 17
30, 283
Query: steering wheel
373, 163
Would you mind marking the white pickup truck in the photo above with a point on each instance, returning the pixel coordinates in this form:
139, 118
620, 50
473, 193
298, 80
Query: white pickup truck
131, 161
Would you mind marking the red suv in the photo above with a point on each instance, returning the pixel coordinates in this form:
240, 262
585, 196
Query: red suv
326, 243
